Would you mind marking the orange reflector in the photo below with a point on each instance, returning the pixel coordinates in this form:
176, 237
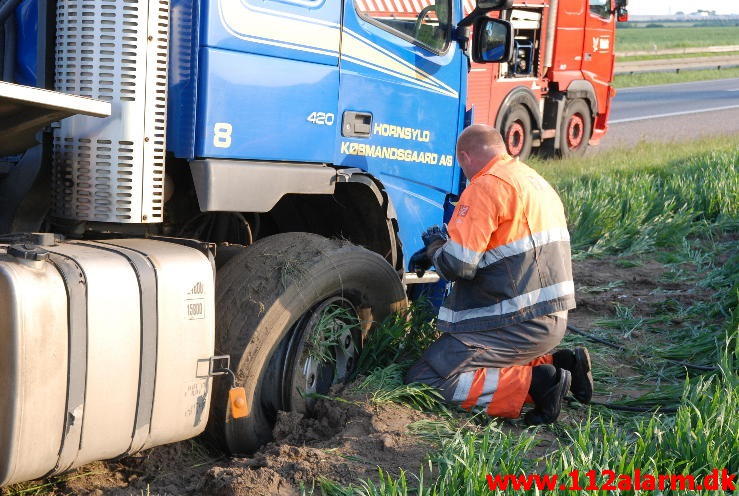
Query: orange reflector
237, 400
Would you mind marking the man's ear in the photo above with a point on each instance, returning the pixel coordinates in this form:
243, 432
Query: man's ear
463, 158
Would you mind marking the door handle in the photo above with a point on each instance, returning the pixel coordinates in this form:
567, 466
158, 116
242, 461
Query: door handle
356, 124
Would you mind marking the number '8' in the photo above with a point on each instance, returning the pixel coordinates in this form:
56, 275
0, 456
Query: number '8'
222, 135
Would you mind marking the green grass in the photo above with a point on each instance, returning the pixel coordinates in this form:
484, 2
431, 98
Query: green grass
654, 78
385, 384
334, 324
678, 24
647, 197
628, 40
403, 338
672, 203
637, 58
701, 436
644, 156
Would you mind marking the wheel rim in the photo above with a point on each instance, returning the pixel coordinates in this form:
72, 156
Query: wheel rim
575, 131
320, 350
515, 138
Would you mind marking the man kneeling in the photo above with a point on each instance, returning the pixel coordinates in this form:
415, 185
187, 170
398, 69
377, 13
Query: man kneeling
508, 253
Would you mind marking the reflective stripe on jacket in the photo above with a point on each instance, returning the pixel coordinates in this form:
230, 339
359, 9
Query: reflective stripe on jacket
508, 252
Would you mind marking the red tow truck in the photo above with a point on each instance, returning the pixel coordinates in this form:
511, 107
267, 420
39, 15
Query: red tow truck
555, 94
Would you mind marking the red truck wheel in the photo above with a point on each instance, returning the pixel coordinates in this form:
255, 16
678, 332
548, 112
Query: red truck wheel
292, 310
517, 132
577, 126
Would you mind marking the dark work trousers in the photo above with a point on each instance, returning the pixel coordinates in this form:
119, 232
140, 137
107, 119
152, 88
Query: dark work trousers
490, 370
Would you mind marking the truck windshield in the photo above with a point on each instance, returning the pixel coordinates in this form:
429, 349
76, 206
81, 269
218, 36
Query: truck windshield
601, 8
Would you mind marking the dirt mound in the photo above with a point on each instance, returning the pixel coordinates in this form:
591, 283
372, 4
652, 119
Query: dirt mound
170, 470
246, 482
343, 441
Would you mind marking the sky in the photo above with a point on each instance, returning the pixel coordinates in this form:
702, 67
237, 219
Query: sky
656, 7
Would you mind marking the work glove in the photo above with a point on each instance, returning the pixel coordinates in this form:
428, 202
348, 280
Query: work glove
434, 234
420, 262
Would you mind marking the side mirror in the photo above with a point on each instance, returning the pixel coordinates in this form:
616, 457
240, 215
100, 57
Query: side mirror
494, 4
622, 15
493, 40
481, 7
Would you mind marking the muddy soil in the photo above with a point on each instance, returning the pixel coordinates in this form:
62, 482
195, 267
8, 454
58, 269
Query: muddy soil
641, 288
345, 441
348, 440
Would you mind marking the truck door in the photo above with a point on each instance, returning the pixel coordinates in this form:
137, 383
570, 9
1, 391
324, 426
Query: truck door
269, 80
401, 103
598, 48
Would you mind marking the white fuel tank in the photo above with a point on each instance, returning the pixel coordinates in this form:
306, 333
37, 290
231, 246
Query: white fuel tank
105, 349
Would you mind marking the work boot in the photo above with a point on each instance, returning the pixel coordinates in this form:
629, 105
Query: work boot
549, 386
577, 361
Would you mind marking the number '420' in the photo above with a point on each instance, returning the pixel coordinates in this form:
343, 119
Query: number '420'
321, 118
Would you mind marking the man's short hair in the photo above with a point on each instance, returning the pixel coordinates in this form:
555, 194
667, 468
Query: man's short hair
481, 140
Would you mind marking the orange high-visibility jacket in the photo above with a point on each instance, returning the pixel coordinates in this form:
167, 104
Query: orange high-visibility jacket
508, 251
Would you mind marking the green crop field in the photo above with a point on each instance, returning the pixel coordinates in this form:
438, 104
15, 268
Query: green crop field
664, 38
670, 56
672, 207
652, 78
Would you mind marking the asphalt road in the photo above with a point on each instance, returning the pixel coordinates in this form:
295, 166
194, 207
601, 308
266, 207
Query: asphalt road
672, 112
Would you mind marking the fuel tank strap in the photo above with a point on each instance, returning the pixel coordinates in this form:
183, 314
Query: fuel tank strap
75, 283
147, 279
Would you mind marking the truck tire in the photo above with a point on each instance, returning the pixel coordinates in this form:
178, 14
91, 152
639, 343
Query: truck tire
516, 131
272, 304
577, 126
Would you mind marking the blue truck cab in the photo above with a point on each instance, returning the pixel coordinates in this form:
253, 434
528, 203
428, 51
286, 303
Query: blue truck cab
377, 86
